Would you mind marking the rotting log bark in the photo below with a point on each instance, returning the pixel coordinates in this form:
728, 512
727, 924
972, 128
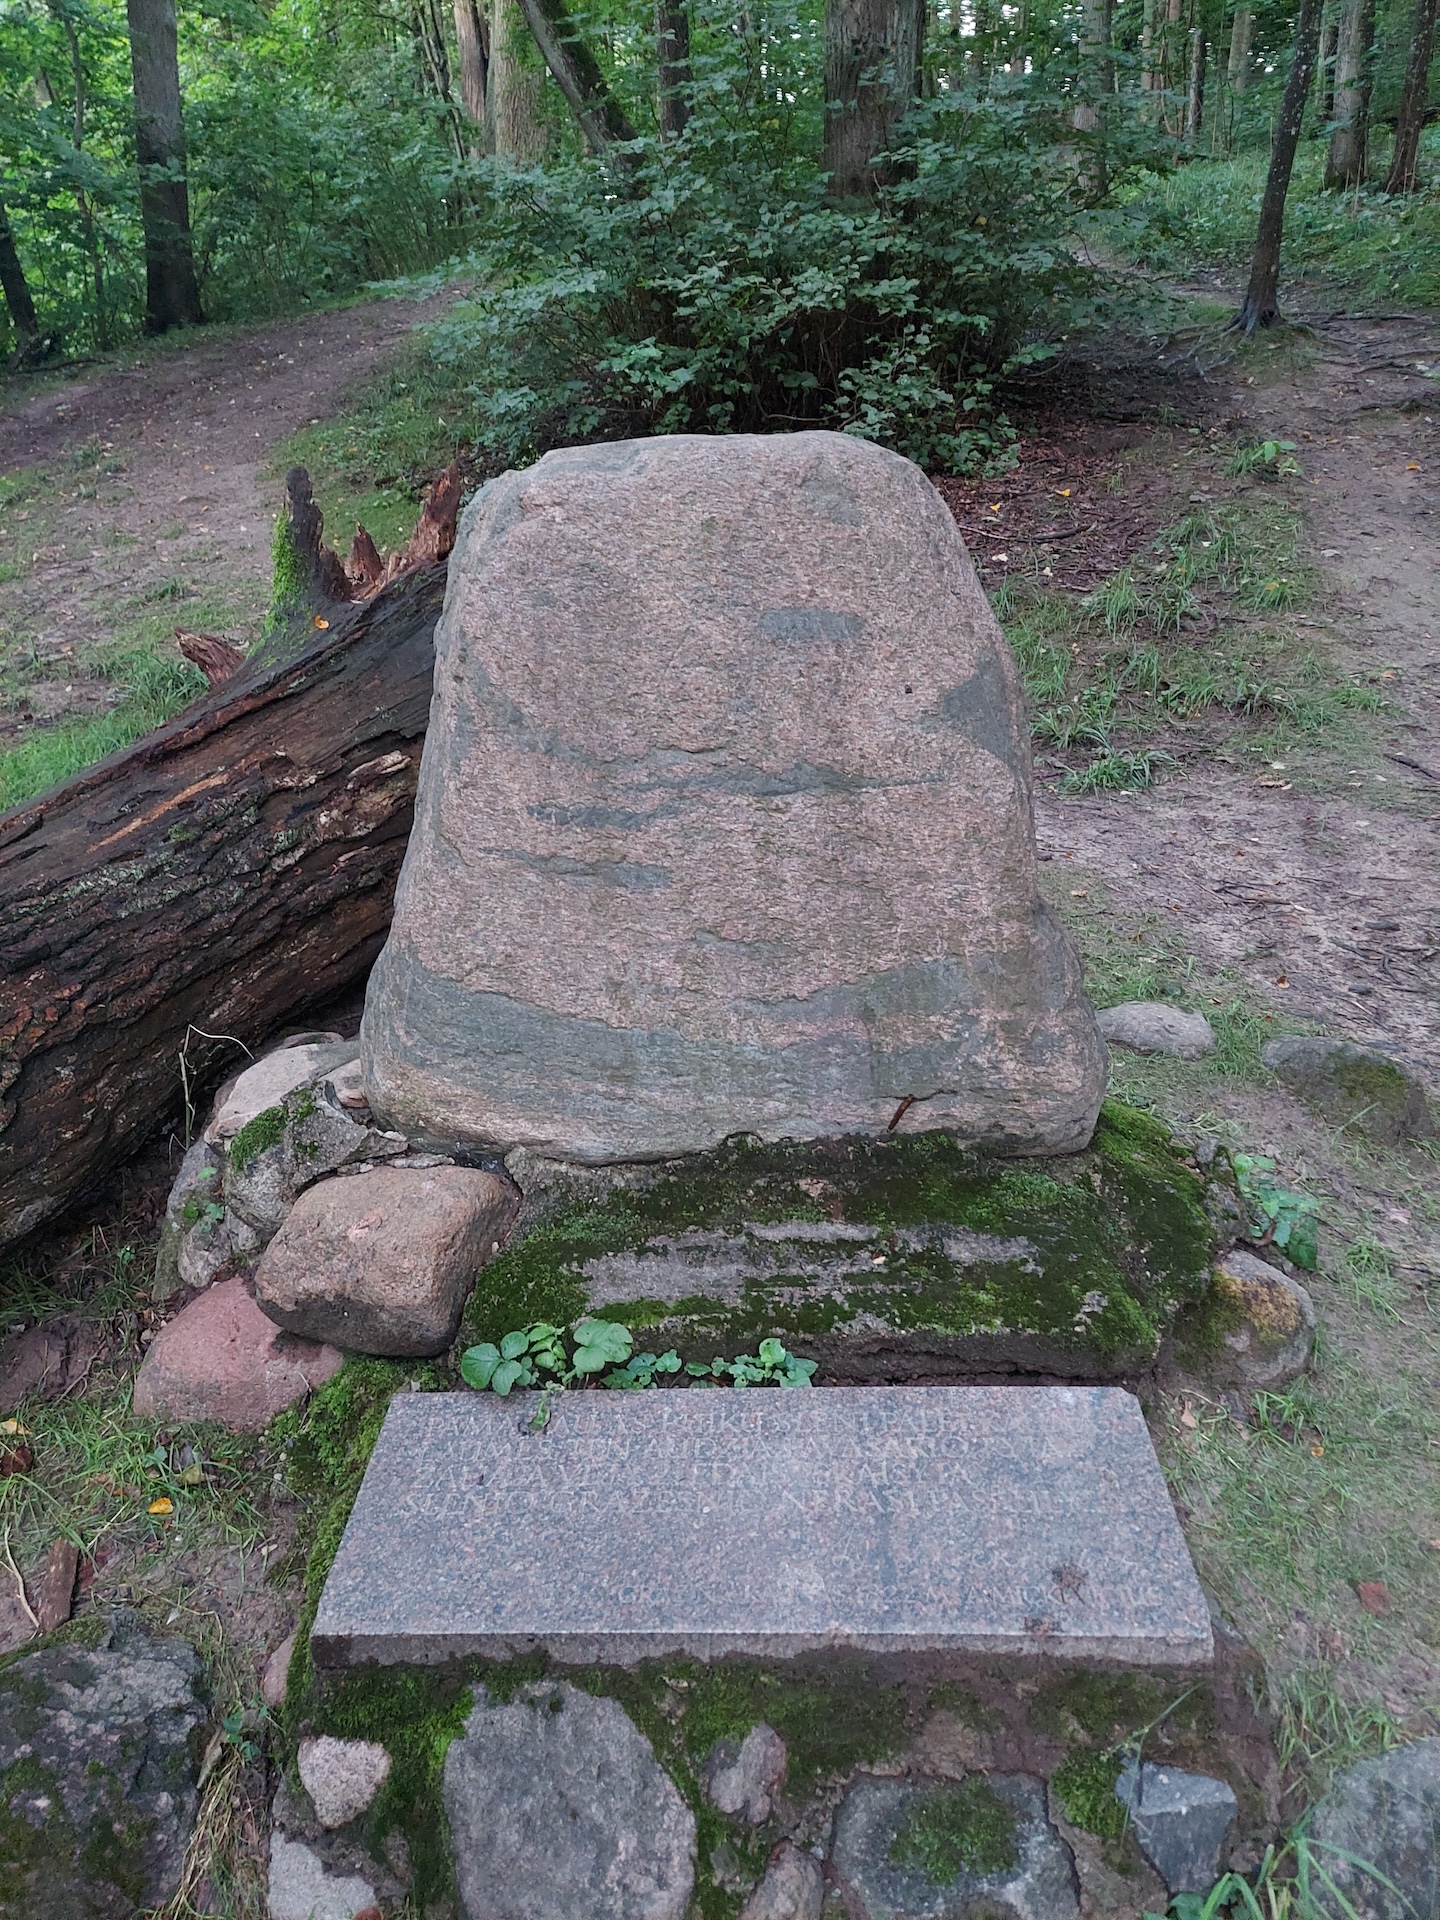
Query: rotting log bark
219, 877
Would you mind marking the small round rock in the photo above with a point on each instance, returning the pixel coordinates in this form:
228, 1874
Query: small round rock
342, 1777
1272, 1333
1152, 1026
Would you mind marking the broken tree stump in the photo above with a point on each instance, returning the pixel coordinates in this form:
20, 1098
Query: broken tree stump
219, 877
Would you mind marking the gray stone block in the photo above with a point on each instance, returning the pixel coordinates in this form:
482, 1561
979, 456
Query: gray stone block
1152, 1026
1021, 1520
1183, 1821
870, 1828
558, 1809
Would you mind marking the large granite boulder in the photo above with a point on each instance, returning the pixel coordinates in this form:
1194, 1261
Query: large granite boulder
98, 1758
724, 823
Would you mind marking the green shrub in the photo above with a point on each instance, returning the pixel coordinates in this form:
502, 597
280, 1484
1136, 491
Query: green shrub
709, 285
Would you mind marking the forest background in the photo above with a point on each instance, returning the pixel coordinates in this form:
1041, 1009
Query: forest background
864, 214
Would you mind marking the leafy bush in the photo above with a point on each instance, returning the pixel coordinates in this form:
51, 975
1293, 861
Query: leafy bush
709, 285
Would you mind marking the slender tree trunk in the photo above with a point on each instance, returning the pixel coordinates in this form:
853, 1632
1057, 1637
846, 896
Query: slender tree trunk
872, 72
1238, 70
1348, 155
16, 287
672, 35
172, 298
82, 198
1329, 41
1172, 66
1096, 79
577, 74
1195, 99
473, 44
517, 122
1410, 122
1261, 304
982, 49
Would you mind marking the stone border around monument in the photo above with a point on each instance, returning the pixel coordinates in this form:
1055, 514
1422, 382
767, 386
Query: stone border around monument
1025, 1522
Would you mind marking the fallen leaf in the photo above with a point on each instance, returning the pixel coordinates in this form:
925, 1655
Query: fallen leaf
192, 1476
162, 1505
322, 624
12, 1426
1413, 467
1432, 1546
1188, 1420
1064, 492
1317, 1452
1079, 893
1374, 1597
16, 1460
1282, 980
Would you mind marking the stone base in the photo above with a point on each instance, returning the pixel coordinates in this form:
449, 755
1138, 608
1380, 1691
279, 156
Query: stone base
882, 1259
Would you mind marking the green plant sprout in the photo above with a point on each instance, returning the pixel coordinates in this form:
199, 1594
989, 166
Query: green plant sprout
1280, 1217
1271, 459
536, 1357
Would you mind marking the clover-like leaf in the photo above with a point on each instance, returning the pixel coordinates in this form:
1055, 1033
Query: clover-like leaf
772, 1354
514, 1345
478, 1364
507, 1374
600, 1344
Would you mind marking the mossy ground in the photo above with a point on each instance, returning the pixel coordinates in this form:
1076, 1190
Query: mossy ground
1119, 1235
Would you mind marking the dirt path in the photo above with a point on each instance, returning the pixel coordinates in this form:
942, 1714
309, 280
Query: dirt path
139, 497
1326, 905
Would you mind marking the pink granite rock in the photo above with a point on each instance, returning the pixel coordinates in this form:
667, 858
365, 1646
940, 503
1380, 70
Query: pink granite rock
724, 822
383, 1261
222, 1359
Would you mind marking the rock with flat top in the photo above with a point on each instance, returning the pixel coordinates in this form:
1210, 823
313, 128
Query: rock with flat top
1153, 1026
266, 1084
724, 823
275, 1675
382, 1262
1362, 1088
222, 1359
558, 1809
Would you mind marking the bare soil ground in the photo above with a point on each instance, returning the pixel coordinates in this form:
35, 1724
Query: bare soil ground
139, 495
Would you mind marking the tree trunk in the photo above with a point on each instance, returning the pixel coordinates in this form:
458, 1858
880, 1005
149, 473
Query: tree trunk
217, 878
1171, 66
1329, 40
18, 298
872, 70
1348, 154
473, 44
82, 198
1096, 80
577, 74
1238, 71
172, 298
672, 34
1261, 305
1195, 100
517, 123
1410, 122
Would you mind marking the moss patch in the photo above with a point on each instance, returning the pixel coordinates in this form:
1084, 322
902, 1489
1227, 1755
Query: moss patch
266, 1130
843, 1246
1085, 1787
1111, 1710
955, 1830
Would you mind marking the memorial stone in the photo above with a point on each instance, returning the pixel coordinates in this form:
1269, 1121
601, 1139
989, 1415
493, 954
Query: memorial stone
724, 823
1023, 1522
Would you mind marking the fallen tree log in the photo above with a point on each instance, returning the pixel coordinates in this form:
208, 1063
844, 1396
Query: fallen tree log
218, 878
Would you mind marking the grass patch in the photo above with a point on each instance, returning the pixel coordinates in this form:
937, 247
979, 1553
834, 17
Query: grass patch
955, 1830
154, 687
1181, 636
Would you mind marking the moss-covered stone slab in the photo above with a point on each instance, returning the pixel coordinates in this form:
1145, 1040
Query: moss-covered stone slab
883, 1259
